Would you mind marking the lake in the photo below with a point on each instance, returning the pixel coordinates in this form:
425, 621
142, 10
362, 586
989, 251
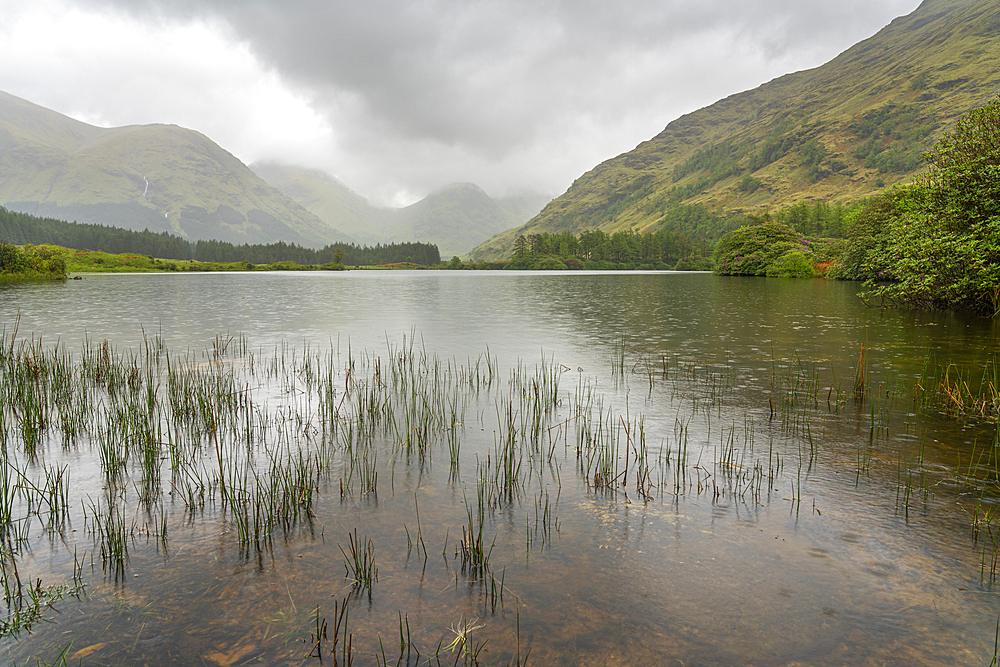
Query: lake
494, 468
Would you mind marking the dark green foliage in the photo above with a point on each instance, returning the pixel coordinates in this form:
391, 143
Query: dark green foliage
963, 184
774, 148
424, 254
814, 154
868, 238
894, 137
31, 262
520, 246
718, 162
596, 249
21, 228
11, 258
749, 184
694, 263
621, 200
939, 241
752, 249
819, 219
692, 221
551, 263
792, 264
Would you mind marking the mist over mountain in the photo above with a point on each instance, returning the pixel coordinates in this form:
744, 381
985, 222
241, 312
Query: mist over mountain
836, 133
327, 198
156, 177
169, 179
456, 217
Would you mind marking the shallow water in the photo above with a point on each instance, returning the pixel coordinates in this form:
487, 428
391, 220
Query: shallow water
853, 546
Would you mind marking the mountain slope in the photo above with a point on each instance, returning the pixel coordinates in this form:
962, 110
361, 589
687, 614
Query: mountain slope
160, 177
328, 199
456, 217
834, 133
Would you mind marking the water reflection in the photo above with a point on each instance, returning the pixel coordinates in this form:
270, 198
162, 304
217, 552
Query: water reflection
824, 566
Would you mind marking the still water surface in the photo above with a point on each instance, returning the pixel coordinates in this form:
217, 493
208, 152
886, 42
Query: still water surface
823, 566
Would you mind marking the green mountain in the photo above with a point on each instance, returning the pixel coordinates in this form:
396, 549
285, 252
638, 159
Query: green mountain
836, 133
456, 217
156, 177
327, 198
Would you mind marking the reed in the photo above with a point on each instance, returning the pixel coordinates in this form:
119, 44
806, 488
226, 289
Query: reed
474, 549
321, 636
261, 440
113, 531
862, 372
359, 564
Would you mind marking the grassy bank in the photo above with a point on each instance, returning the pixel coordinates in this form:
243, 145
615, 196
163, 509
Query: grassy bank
52, 261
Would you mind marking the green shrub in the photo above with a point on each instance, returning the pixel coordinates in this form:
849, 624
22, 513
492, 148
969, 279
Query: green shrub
793, 264
12, 260
749, 250
31, 261
551, 263
939, 241
693, 263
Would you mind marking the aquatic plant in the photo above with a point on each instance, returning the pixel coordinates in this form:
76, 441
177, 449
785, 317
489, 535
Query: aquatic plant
360, 563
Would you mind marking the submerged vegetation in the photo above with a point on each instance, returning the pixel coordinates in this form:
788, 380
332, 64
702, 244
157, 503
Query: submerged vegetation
256, 442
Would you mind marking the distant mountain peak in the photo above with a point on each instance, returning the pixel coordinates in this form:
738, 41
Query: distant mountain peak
160, 177
456, 217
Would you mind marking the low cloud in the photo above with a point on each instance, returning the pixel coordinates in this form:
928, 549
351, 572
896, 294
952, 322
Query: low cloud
402, 97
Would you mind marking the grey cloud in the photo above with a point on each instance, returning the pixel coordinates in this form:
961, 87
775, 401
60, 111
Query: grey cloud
484, 81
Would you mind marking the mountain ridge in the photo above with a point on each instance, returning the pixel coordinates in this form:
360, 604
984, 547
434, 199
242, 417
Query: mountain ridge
160, 177
803, 136
456, 217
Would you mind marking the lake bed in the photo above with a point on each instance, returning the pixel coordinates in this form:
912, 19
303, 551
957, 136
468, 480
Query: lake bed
584, 468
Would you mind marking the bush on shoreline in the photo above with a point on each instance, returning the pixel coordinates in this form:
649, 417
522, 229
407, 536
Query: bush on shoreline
935, 243
31, 262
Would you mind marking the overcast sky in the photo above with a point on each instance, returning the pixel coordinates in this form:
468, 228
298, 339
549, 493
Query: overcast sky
399, 97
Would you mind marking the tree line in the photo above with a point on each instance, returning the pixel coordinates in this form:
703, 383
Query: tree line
22, 228
594, 248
